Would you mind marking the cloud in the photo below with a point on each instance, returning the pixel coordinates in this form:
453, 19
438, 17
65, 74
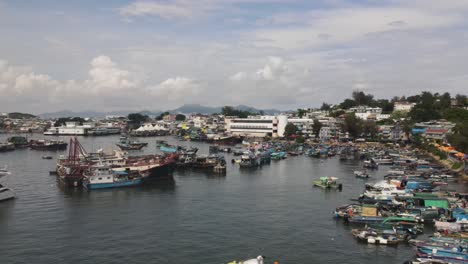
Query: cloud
164, 10
272, 70
238, 76
349, 24
106, 76
176, 88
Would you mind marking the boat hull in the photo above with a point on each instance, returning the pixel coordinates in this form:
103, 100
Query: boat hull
121, 184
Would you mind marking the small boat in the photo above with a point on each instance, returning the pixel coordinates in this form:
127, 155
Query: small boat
168, 149
361, 174
371, 164
328, 183
278, 155
238, 151
47, 157
258, 260
220, 168
126, 144
6, 193
372, 236
4, 171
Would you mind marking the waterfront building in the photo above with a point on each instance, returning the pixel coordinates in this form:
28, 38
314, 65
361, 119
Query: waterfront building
257, 126
71, 128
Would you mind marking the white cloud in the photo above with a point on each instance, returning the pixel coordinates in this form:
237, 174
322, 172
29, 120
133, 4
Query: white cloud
106, 76
164, 10
238, 76
272, 70
347, 25
177, 88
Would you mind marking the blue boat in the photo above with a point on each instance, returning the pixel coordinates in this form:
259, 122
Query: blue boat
104, 177
167, 149
442, 254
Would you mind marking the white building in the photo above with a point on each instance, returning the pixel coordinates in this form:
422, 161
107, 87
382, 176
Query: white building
257, 126
71, 128
366, 112
403, 106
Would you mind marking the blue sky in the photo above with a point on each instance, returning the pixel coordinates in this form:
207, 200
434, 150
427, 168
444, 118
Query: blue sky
113, 55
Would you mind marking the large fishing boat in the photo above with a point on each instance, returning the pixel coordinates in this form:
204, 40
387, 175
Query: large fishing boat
44, 144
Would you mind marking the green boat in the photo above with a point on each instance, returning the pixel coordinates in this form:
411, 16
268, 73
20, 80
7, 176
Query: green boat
328, 183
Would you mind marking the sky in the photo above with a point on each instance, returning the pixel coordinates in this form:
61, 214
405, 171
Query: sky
284, 54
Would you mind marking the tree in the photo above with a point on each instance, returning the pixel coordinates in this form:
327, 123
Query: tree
337, 113
180, 117
231, 111
361, 98
316, 127
352, 125
62, 120
289, 130
301, 112
459, 138
369, 128
300, 139
445, 101
397, 115
456, 115
325, 107
347, 103
461, 100
387, 106
137, 118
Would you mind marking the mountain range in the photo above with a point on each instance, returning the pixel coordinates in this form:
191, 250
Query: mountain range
184, 109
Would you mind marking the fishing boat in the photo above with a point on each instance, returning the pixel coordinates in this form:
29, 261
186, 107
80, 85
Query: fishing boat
370, 164
361, 174
45, 144
249, 160
6, 147
47, 157
278, 155
328, 183
126, 144
18, 141
6, 193
104, 177
447, 255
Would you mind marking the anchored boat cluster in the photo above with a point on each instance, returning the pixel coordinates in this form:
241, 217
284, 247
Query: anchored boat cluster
412, 199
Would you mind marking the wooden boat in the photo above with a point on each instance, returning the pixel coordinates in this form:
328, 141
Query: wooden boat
126, 144
373, 236
361, 174
328, 183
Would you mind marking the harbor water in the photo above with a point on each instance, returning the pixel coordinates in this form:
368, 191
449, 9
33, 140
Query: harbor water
196, 218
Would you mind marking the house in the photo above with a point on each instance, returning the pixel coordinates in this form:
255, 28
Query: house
403, 106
